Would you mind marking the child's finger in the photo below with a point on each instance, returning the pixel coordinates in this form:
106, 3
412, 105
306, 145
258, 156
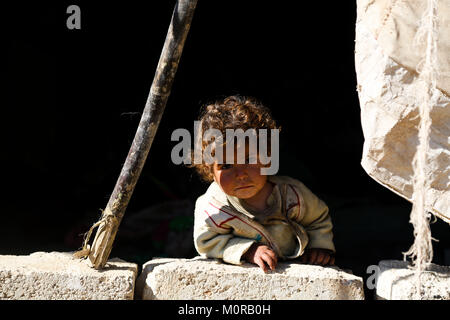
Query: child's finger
332, 259
313, 256
320, 258
326, 259
261, 264
269, 260
273, 255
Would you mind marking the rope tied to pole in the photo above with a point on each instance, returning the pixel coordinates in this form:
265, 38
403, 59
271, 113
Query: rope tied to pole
107, 221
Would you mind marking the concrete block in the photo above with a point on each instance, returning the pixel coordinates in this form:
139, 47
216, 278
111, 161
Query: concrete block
397, 282
208, 279
59, 276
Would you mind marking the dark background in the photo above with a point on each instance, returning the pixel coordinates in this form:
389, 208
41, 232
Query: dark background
73, 101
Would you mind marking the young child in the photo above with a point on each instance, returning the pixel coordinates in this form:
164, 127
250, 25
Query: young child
247, 216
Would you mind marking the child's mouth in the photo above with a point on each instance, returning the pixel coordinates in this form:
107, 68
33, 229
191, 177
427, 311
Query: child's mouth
245, 187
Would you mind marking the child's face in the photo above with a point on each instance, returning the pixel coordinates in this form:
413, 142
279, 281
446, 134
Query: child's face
239, 180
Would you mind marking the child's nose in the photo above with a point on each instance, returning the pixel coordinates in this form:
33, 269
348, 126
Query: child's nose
241, 172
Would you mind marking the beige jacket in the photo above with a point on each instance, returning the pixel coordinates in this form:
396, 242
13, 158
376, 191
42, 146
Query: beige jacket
225, 227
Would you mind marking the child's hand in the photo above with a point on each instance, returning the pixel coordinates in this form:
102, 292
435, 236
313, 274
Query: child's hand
261, 255
318, 256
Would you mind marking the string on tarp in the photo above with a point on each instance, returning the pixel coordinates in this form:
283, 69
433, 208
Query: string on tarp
421, 252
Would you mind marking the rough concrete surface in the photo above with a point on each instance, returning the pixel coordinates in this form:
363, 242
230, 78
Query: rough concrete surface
201, 279
59, 276
397, 282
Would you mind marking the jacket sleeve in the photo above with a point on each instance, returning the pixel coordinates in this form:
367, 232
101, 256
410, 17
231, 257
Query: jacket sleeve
316, 220
215, 240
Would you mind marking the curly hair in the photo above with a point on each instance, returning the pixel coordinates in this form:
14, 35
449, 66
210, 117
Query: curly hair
233, 112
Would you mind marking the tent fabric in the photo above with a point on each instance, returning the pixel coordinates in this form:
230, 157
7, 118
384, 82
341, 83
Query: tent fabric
386, 61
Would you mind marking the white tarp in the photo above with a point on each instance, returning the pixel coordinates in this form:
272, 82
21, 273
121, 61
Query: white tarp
386, 61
